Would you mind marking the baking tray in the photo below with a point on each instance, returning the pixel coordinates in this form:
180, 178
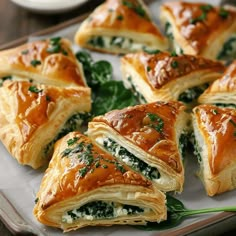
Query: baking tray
19, 184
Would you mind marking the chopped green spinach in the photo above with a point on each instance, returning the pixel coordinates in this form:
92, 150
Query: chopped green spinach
130, 159
191, 94
228, 51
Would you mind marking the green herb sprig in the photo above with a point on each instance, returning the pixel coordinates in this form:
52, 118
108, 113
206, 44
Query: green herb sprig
177, 212
205, 9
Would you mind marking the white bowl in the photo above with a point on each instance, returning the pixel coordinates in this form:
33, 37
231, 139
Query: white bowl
49, 6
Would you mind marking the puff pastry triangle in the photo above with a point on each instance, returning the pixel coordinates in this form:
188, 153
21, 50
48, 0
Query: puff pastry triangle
222, 92
49, 61
120, 26
215, 146
86, 186
200, 28
148, 138
43, 95
164, 76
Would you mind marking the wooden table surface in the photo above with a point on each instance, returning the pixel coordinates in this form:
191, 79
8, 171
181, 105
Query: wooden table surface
16, 22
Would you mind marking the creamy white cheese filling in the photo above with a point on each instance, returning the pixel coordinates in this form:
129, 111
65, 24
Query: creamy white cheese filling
113, 210
118, 42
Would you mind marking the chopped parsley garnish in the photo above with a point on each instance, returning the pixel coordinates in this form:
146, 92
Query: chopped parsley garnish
148, 68
155, 118
174, 64
48, 98
201, 18
205, 9
97, 164
35, 63
55, 40
72, 141
120, 168
90, 159
24, 52
214, 112
55, 46
34, 89
223, 13
66, 152
64, 52
137, 8
173, 54
120, 17
83, 171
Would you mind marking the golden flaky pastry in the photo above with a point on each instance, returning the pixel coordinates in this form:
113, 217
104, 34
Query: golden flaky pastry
163, 76
118, 26
42, 96
148, 138
222, 92
199, 28
215, 145
85, 186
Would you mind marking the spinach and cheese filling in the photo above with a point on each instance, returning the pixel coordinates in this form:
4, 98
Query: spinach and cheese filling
123, 154
75, 122
101, 210
196, 148
115, 42
226, 105
174, 46
228, 51
183, 143
190, 95
13, 78
135, 91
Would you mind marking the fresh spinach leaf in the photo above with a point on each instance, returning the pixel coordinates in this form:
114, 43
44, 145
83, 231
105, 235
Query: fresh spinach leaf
177, 212
107, 94
101, 71
112, 95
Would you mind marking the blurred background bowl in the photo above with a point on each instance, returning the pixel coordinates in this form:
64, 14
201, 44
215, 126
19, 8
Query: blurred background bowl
49, 6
